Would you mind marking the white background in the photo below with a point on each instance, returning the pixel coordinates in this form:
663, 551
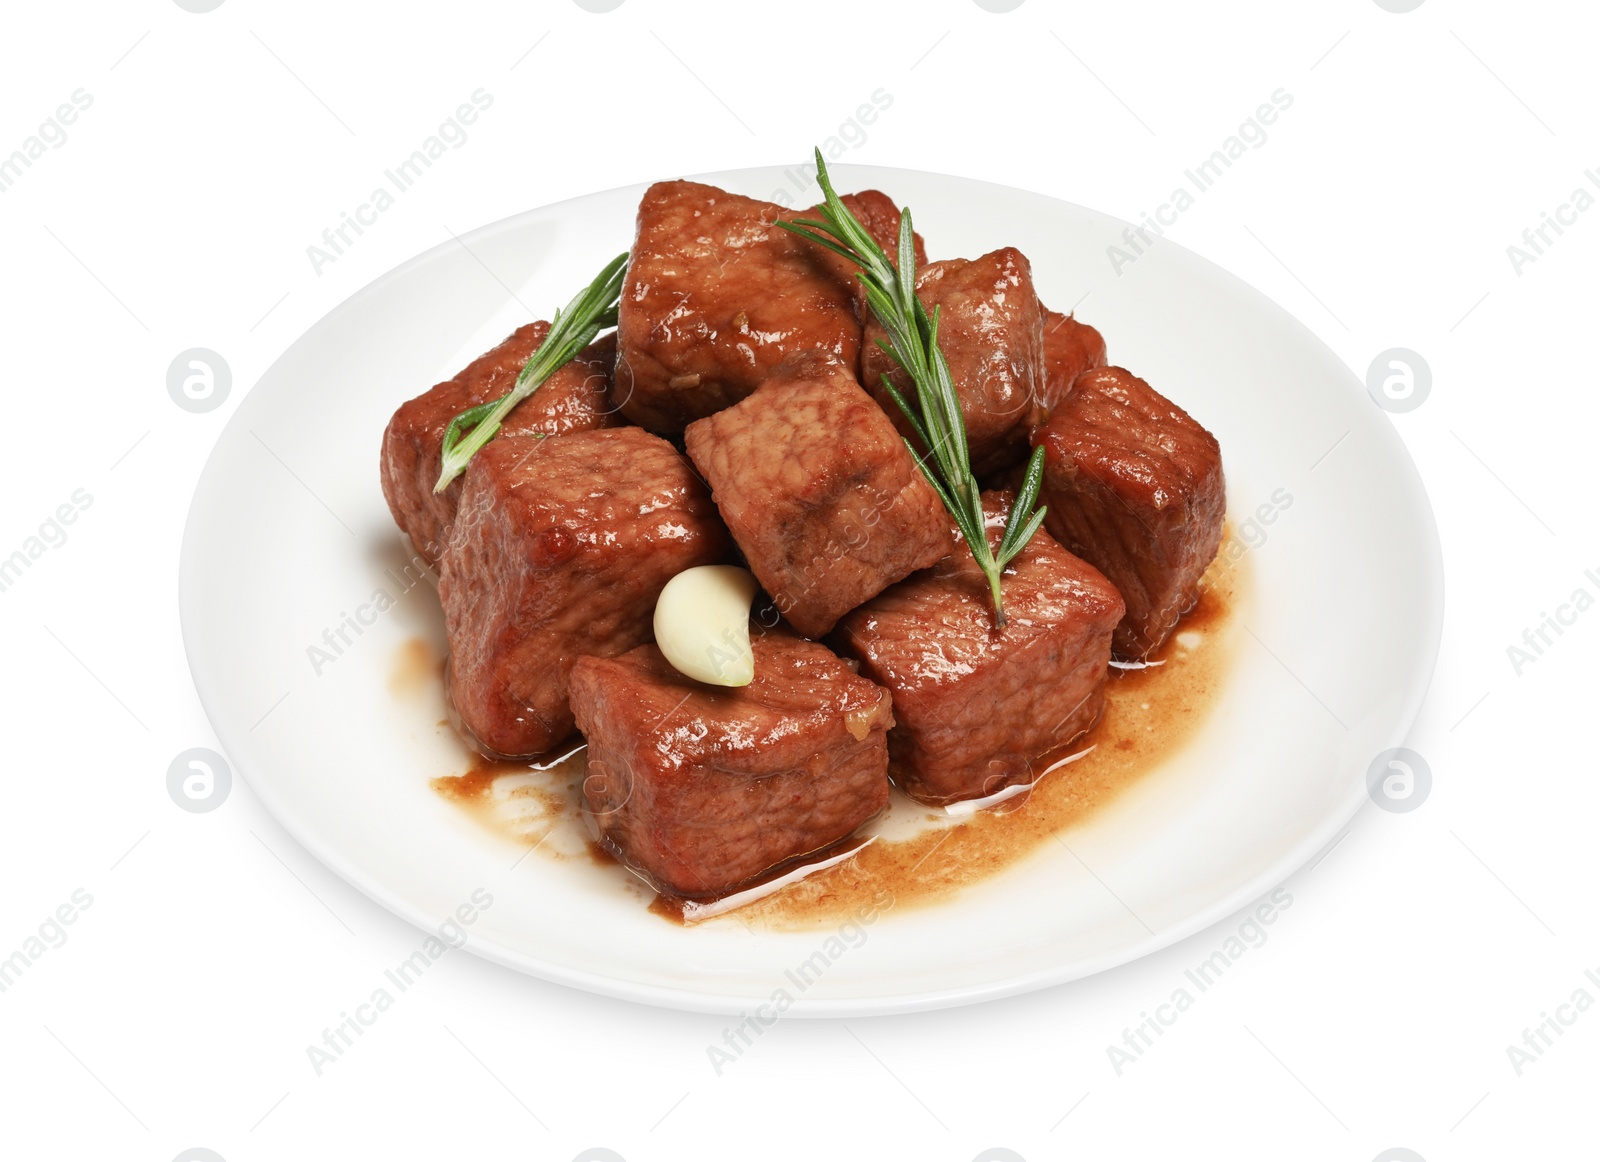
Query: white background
177, 214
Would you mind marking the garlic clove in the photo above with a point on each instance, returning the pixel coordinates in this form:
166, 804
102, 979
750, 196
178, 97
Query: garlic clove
702, 624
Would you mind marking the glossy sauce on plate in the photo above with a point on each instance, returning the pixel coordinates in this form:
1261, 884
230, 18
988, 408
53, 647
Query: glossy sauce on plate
922, 855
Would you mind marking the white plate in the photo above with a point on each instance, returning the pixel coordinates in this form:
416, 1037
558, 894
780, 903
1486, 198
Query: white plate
289, 533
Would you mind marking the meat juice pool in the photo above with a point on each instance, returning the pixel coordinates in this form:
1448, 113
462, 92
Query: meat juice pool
920, 855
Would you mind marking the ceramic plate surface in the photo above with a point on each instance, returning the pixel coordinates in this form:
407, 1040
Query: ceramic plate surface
289, 538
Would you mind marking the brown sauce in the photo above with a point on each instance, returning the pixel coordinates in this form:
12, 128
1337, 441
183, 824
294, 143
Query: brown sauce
533, 807
922, 856
414, 670
667, 907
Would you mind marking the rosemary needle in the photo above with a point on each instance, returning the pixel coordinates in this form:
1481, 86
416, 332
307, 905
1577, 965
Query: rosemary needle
936, 417
591, 311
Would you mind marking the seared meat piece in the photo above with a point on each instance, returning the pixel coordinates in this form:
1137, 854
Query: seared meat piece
717, 296
1134, 486
560, 548
1070, 348
990, 330
819, 491
976, 708
574, 399
702, 788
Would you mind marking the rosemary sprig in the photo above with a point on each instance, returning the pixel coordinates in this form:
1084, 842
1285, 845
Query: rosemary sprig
591, 311
914, 346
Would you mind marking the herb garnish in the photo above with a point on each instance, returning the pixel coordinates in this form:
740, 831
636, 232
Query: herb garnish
590, 312
937, 420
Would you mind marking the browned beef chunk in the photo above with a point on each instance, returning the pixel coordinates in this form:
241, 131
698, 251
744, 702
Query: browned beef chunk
574, 399
819, 491
1070, 348
702, 788
560, 548
990, 330
717, 296
1134, 486
976, 708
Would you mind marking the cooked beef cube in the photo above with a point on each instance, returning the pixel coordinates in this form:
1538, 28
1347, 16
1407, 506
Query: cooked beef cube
990, 330
1070, 348
703, 788
560, 548
1134, 486
819, 491
976, 708
574, 399
717, 295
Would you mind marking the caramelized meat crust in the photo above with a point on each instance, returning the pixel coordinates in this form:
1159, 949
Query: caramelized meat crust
574, 399
1070, 348
820, 492
561, 547
702, 789
991, 335
717, 295
977, 708
1135, 487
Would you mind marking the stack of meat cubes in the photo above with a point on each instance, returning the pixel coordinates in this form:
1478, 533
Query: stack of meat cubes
737, 416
